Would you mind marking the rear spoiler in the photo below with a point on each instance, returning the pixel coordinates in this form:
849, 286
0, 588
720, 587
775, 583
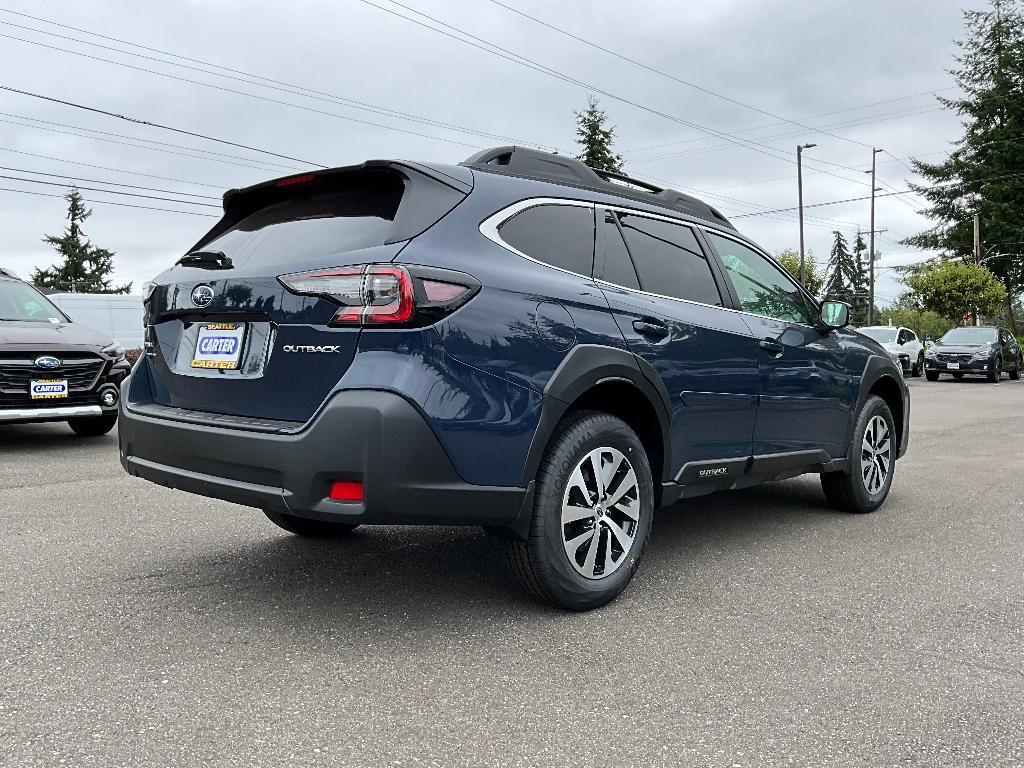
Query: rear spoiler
417, 177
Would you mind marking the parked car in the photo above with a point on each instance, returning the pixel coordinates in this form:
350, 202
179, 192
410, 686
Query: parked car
902, 343
53, 369
976, 350
118, 316
518, 342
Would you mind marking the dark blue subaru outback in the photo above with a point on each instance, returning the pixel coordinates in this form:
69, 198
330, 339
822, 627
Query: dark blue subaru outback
518, 342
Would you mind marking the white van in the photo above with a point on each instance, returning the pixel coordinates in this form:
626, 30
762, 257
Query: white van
117, 315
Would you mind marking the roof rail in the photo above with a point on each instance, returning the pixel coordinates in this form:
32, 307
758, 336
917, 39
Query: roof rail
545, 166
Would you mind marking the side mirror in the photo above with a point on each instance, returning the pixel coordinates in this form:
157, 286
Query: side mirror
835, 314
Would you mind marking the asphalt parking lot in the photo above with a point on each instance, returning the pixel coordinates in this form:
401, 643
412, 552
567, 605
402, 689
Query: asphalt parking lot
145, 627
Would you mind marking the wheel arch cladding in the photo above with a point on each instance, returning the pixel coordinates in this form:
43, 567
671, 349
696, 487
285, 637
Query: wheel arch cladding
880, 379
594, 377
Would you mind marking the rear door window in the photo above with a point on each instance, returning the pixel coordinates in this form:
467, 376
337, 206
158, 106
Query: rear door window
669, 260
561, 236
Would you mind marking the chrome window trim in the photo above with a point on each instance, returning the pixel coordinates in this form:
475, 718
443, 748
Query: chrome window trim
489, 227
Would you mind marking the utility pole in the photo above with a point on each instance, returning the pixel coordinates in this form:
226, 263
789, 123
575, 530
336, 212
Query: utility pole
977, 255
800, 194
871, 247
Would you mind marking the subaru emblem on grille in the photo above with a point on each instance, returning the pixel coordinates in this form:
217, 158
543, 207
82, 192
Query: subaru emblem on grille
48, 362
202, 295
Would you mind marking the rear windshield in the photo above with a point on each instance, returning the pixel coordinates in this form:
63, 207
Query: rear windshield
881, 335
20, 302
311, 226
970, 336
341, 212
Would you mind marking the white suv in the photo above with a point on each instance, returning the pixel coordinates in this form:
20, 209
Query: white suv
902, 343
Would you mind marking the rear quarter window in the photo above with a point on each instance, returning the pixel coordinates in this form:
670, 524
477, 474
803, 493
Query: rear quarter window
561, 236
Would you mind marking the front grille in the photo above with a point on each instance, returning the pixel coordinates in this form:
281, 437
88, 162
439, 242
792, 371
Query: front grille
18, 369
949, 357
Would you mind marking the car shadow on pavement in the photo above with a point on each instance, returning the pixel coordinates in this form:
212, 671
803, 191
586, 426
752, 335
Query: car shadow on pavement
28, 439
418, 576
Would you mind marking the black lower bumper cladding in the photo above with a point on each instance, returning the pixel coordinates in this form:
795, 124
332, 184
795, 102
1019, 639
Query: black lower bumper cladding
373, 437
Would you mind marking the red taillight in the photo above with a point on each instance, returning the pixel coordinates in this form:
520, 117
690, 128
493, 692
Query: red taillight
346, 490
371, 294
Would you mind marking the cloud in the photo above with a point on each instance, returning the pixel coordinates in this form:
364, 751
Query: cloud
799, 62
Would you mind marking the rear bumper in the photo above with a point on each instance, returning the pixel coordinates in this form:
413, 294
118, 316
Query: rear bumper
370, 436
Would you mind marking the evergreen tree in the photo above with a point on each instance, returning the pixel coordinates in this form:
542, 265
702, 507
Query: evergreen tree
595, 137
860, 285
84, 268
984, 174
841, 271
789, 259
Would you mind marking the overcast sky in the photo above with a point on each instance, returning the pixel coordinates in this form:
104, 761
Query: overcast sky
860, 71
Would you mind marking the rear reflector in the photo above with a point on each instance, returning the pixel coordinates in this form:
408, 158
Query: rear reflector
346, 490
435, 290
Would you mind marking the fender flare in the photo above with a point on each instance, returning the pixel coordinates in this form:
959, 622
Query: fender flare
877, 368
584, 367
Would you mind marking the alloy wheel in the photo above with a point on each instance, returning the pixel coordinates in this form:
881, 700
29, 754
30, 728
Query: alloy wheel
600, 513
876, 455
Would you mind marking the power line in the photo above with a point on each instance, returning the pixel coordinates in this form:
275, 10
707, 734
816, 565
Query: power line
753, 128
237, 92
504, 53
263, 163
111, 183
138, 146
161, 126
108, 168
111, 202
256, 79
672, 77
108, 191
885, 194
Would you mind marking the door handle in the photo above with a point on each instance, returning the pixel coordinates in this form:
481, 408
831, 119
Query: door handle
651, 329
772, 346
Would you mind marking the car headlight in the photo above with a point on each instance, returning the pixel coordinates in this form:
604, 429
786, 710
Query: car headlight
982, 353
114, 351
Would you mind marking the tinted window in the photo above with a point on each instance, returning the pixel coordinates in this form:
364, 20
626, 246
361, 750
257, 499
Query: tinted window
21, 302
669, 259
762, 287
904, 337
559, 235
618, 267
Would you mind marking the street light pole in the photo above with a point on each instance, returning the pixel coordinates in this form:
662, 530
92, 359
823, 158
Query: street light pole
871, 247
800, 194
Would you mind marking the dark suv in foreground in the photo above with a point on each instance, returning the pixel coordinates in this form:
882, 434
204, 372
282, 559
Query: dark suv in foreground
53, 369
518, 342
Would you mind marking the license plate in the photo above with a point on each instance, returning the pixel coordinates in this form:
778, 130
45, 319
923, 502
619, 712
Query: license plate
219, 345
953, 366
48, 389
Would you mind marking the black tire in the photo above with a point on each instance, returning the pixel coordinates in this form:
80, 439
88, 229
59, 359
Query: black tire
312, 529
958, 376
92, 426
918, 369
996, 373
931, 375
541, 564
1015, 373
848, 490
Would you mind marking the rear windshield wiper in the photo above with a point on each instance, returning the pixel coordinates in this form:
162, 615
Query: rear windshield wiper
205, 260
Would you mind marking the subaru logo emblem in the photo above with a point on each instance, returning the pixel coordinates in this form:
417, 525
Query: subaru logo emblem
48, 362
202, 295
